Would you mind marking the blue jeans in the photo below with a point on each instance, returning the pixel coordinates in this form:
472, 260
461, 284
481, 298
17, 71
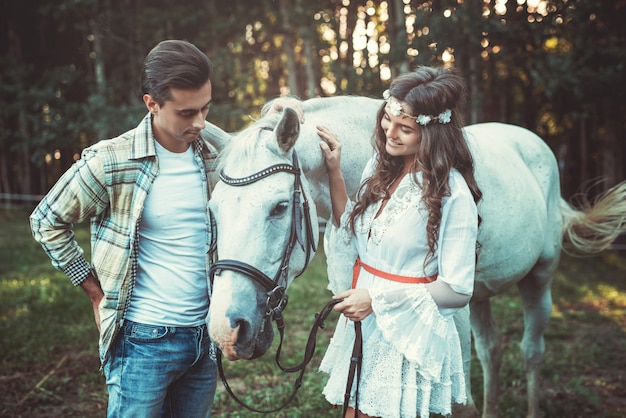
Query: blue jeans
158, 371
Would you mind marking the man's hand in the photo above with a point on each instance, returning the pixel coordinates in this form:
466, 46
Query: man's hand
91, 286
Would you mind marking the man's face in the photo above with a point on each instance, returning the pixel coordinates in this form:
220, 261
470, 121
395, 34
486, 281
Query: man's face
178, 122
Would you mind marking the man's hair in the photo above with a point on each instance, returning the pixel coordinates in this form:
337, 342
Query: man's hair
174, 63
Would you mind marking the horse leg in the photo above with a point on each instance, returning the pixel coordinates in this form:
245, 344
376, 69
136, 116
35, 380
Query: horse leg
487, 344
462, 323
537, 306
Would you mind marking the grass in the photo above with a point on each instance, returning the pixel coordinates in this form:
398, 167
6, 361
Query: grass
48, 342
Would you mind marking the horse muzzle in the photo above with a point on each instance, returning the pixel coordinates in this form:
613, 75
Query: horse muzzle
241, 338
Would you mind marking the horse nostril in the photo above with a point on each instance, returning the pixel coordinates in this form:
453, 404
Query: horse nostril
243, 326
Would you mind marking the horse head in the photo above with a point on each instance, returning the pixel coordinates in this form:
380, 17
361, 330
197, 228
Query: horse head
267, 232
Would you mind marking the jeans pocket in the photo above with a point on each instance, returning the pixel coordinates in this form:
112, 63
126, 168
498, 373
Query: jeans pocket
144, 333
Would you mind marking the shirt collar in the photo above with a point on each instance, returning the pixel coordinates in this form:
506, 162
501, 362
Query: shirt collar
143, 141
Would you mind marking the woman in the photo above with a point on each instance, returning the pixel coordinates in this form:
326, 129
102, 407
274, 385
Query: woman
413, 233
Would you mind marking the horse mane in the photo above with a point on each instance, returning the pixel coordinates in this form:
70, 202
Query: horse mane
319, 103
243, 146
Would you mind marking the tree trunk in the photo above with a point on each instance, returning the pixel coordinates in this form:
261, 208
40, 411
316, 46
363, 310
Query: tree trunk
307, 34
289, 50
23, 160
311, 80
134, 63
5, 184
98, 62
398, 37
504, 100
99, 68
473, 82
212, 13
583, 149
470, 26
610, 152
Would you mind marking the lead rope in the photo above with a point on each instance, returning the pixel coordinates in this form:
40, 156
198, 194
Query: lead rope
308, 355
356, 360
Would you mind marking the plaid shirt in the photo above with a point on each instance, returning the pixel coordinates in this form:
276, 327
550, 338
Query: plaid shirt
109, 185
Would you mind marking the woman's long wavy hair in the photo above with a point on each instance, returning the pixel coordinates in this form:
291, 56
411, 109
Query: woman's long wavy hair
427, 91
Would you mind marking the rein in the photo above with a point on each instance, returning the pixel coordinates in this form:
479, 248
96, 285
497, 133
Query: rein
301, 367
276, 288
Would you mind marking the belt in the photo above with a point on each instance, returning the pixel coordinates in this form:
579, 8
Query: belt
393, 277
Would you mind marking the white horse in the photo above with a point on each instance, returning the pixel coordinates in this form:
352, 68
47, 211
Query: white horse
525, 222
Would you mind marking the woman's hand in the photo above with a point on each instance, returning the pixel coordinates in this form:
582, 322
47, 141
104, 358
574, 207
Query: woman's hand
356, 304
331, 148
282, 102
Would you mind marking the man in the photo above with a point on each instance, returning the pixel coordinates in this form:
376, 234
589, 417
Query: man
152, 235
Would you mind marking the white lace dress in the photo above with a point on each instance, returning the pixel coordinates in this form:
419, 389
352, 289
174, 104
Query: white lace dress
412, 361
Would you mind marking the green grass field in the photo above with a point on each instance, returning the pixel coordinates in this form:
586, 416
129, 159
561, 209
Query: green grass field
48, 342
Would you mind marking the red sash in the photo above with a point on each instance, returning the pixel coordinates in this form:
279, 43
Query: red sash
393, 277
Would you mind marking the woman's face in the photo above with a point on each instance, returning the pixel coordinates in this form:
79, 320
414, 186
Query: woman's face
402, 132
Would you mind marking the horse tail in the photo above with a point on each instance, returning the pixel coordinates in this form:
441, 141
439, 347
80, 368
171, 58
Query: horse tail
595, 225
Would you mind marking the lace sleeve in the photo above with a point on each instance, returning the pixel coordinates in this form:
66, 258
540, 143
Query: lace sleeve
410, 320
341, 252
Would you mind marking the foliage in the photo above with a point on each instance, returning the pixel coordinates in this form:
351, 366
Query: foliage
49, 365
69, 69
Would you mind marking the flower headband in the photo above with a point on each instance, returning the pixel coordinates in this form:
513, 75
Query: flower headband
396, 110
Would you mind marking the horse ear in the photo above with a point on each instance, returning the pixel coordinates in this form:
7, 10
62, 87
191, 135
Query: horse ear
215, 136
288, 129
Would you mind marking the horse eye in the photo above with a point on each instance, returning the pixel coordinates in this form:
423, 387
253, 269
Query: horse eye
279, 209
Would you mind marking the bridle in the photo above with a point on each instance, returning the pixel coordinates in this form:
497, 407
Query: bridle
276, 288
276, 296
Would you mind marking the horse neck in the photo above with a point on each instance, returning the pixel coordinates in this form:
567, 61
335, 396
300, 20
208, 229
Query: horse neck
352, 119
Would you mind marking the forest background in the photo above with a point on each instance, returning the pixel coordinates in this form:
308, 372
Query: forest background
69, 76
69, 69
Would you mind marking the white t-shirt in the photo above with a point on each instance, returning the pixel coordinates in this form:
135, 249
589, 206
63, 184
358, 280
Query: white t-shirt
171, 284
